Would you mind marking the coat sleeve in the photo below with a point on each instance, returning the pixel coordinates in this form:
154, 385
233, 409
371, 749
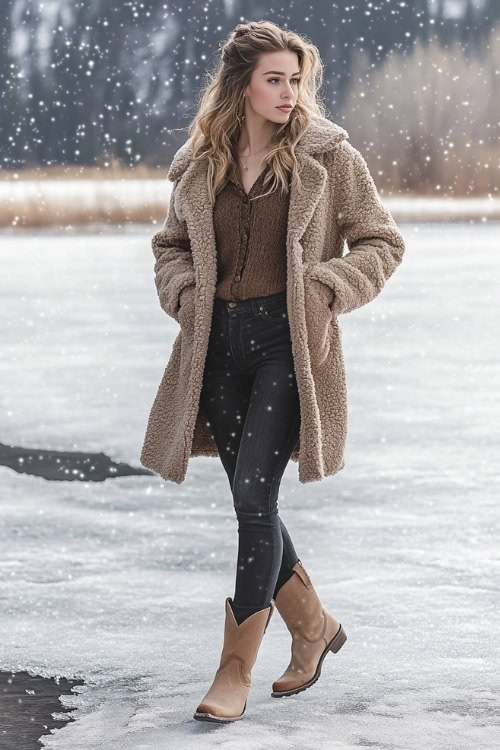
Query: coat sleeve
174, 270
375, 244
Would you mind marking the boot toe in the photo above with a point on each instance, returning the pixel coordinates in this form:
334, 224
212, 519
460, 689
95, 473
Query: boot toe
281, 686
216, 711
210, 708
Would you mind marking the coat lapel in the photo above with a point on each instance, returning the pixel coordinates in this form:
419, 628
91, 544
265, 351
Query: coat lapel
192, 205
303, 201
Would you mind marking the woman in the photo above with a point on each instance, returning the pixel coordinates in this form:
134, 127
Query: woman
250, 263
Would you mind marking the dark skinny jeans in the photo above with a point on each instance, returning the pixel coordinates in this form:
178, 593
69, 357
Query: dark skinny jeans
251, 401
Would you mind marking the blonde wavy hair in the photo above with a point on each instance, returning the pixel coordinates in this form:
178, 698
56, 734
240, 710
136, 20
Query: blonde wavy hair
216, 127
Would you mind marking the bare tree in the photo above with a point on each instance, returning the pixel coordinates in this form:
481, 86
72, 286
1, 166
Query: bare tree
428, 122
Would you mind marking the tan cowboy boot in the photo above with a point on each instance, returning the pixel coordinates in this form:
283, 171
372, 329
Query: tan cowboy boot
226, 699
314, 633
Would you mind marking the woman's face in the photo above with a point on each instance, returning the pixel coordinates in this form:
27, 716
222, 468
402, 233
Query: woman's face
274, 82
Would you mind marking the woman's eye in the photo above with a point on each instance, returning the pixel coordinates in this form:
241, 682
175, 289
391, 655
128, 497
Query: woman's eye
294, 80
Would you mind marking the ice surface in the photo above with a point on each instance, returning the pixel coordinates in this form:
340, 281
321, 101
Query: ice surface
122, 583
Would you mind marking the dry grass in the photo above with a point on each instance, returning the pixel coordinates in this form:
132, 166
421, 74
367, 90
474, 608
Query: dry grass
51, 213
35, 214
74, 172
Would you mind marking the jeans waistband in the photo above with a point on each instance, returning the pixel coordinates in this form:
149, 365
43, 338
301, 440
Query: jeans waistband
249, 304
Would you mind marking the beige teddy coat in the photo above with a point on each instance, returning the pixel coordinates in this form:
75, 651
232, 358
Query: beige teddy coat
339, 201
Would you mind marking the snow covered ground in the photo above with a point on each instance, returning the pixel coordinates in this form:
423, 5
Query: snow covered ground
122, 583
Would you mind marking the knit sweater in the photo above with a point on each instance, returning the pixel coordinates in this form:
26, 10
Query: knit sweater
250, 240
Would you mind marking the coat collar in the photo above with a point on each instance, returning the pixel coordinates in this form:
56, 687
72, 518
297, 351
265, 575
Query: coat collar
320, 135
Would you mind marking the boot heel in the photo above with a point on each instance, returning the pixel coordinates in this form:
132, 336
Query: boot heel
339, 640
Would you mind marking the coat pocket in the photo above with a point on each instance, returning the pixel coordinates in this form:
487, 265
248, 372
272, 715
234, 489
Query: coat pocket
187, 309
319, 315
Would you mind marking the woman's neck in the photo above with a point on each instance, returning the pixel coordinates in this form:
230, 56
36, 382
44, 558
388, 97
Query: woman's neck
256, 140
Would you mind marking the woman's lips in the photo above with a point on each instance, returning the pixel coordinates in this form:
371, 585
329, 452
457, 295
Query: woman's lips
284, 108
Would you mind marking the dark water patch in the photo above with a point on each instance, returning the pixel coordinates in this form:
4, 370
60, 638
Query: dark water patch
26, 707
69, 466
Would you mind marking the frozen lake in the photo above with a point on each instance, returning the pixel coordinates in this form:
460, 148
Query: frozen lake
122, 583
